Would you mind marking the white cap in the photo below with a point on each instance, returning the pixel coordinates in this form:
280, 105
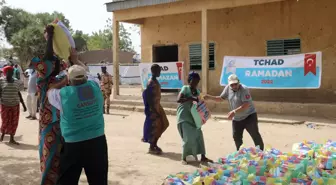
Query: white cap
233, 79
76, 72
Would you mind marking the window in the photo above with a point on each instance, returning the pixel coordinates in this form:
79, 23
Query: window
195, 56
283, 47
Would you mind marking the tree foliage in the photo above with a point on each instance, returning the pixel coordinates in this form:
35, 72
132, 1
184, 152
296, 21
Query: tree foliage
103, 38
80, 40
24, 31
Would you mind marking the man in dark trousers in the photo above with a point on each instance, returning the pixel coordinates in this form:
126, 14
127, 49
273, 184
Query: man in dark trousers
243, 113
83, 127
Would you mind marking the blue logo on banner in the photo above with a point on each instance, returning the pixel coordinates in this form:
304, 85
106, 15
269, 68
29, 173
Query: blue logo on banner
167, 81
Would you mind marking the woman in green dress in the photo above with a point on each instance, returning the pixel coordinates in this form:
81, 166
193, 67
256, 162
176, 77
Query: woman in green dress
191, 134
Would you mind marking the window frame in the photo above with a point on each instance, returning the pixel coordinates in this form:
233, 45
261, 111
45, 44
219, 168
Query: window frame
211, 63
280, 47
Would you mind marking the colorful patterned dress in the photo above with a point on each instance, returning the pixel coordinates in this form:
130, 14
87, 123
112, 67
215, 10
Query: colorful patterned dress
50, 140
156, 121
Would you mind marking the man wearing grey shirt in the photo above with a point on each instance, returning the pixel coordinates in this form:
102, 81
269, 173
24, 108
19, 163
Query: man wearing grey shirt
242, 111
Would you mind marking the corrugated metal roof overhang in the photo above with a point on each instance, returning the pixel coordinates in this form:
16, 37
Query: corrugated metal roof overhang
127, 4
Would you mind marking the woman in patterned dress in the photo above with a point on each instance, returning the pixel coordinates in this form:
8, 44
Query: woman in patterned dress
156, 121
50, 140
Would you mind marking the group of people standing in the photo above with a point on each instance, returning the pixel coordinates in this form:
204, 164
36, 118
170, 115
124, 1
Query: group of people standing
242, 113
71, 122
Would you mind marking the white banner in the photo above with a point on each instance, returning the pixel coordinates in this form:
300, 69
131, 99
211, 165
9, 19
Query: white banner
301, 71
172, 74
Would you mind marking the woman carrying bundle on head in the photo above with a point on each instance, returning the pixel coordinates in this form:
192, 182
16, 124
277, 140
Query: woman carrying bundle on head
48, 67
190, 132
10, 104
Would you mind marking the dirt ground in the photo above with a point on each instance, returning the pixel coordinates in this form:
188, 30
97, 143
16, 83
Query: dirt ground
129, 162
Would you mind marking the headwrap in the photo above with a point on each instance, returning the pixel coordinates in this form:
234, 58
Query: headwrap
6, 69
193, 75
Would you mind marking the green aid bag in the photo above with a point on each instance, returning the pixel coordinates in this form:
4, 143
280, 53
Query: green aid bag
196, 116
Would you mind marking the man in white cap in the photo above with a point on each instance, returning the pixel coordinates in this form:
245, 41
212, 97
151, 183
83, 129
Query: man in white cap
242, 111
82, 127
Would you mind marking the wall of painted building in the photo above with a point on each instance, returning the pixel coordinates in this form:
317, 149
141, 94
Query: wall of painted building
243, 31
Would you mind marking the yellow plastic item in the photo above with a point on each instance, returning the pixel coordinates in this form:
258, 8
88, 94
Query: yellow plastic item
331, 181
197, 181
61, 43
208, 180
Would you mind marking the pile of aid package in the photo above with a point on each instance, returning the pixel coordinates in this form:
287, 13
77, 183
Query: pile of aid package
309, 163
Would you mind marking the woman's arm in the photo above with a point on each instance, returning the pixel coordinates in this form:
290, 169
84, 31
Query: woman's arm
213, 98
22, 102
74, 59
59, 84
182, 99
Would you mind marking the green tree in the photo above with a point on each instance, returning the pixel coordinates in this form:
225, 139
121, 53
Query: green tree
28, 42
103, 38
80, 40
24, 31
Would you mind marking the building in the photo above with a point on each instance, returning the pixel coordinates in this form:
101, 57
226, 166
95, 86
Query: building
106, 55
202, 32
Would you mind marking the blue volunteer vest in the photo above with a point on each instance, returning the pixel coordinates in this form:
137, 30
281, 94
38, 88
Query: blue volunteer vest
82, 112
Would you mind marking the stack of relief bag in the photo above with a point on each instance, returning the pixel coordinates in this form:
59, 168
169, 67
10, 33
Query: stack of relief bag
308, 164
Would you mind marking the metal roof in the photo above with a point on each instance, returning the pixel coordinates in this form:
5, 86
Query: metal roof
127, 4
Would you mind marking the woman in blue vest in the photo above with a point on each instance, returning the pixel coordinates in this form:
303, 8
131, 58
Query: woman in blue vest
82, 127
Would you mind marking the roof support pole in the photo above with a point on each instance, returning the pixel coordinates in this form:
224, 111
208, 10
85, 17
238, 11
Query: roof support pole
115, 51
205, 52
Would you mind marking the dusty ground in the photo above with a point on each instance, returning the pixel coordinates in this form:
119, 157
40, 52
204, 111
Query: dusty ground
129, 162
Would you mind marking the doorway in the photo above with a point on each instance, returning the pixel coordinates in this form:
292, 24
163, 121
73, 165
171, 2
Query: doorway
165, 53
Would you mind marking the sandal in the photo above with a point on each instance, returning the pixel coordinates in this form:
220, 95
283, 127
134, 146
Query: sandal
155, 150
206, 160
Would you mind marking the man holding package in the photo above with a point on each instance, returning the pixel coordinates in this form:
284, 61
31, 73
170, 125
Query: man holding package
82, 127
242, 111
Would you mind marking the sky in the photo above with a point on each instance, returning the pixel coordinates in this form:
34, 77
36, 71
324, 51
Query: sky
85, 15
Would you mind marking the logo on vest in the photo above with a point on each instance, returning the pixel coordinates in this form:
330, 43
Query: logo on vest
85, 93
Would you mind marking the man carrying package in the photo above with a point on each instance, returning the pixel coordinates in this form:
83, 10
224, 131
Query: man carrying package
82, 127
243, 113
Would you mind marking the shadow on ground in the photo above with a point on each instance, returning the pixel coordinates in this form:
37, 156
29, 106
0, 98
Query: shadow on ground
19, 170
116, 114
23, 146
127, 173
177, 157
109, 182
17, 138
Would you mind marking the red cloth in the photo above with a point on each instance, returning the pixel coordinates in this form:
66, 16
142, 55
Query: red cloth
10, 119
5, 69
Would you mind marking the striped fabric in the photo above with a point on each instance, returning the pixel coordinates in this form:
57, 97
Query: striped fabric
9, 92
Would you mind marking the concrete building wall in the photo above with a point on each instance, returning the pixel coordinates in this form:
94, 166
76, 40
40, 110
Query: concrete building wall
243, 31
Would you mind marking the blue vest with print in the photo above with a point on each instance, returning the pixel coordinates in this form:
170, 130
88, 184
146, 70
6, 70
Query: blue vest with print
82, 112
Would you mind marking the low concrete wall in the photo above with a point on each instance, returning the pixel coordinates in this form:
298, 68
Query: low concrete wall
327, 111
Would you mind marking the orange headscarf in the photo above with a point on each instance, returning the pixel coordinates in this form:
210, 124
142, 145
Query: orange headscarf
5, 69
